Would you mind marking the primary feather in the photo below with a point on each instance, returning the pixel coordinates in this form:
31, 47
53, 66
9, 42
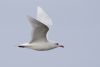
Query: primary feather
43, 17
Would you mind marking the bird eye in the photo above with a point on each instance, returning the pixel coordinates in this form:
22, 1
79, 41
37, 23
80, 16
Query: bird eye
57, 44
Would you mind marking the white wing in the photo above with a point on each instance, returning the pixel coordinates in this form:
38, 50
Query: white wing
39, 30
43, 17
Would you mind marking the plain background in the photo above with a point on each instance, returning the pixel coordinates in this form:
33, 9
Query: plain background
76, 26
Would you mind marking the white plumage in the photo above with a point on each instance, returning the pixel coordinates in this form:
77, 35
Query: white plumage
40, 27
43, 17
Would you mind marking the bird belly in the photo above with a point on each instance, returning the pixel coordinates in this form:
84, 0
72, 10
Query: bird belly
43, 47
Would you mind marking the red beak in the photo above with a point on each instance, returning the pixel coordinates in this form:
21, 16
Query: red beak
61, 46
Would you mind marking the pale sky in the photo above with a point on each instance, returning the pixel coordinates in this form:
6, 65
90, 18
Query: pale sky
76, 26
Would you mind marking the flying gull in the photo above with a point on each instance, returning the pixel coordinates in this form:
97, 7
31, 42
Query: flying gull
40, 27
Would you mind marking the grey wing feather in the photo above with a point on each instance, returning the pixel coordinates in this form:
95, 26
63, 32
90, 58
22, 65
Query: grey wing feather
39, 30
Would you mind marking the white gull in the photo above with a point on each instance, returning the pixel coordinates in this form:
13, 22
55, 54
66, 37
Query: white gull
40, 27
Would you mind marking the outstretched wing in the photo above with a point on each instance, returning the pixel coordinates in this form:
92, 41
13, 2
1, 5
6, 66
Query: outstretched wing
43, 17
39, 30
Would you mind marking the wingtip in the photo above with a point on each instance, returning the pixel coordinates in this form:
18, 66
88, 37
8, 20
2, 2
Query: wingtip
38, 7
29, 17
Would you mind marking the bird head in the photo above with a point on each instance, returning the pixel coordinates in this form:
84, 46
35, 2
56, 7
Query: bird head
58, 45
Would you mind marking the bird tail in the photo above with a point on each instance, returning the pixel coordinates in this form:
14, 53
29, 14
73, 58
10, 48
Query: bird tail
22, 46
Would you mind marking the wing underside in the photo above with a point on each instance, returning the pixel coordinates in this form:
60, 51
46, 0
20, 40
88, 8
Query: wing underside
40, 25
39, 30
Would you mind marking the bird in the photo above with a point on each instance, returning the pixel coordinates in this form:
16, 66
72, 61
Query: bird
40, 27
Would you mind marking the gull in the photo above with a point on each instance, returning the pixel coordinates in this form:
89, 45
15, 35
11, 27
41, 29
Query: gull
40, 27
